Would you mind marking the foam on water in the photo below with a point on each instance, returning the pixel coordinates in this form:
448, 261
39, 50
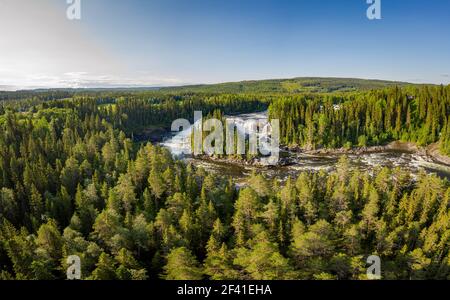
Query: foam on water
181, 143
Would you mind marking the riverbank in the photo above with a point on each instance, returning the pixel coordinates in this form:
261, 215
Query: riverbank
253, 162
431, 151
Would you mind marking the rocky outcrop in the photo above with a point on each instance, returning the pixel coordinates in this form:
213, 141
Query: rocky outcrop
399, 146
257, 162
431, 150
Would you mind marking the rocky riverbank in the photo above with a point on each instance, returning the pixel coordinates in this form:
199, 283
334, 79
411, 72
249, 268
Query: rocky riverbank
254, 162
431, 151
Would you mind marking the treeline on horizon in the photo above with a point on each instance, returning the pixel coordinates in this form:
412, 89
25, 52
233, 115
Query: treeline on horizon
74, 182
293, 85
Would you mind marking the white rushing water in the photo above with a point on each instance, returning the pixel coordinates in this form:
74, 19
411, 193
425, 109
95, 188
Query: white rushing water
180, 143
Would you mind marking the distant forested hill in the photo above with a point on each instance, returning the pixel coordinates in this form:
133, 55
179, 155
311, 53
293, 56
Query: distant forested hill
295, 85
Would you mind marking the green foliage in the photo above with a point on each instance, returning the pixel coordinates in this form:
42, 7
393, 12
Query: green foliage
262, 260
182, 265
294, 85
74, 182
416, 114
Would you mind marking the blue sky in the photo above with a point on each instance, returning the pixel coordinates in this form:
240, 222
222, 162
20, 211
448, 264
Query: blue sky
170, 42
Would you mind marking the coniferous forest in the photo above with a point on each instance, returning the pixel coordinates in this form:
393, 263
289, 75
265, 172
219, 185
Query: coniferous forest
80, 174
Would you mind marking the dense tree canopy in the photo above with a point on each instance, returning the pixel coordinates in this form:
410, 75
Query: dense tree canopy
76, 180
416, 114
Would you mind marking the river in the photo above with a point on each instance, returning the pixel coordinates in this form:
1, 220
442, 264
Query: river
411, 161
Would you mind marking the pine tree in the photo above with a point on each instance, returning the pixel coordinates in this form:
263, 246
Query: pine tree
105, 268
262, 261
182, 265
247, 207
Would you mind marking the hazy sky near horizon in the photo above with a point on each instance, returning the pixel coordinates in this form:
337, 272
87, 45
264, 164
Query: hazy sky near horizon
169, 42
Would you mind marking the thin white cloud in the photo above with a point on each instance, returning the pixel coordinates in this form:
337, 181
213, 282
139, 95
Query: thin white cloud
87, 80
41, 48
